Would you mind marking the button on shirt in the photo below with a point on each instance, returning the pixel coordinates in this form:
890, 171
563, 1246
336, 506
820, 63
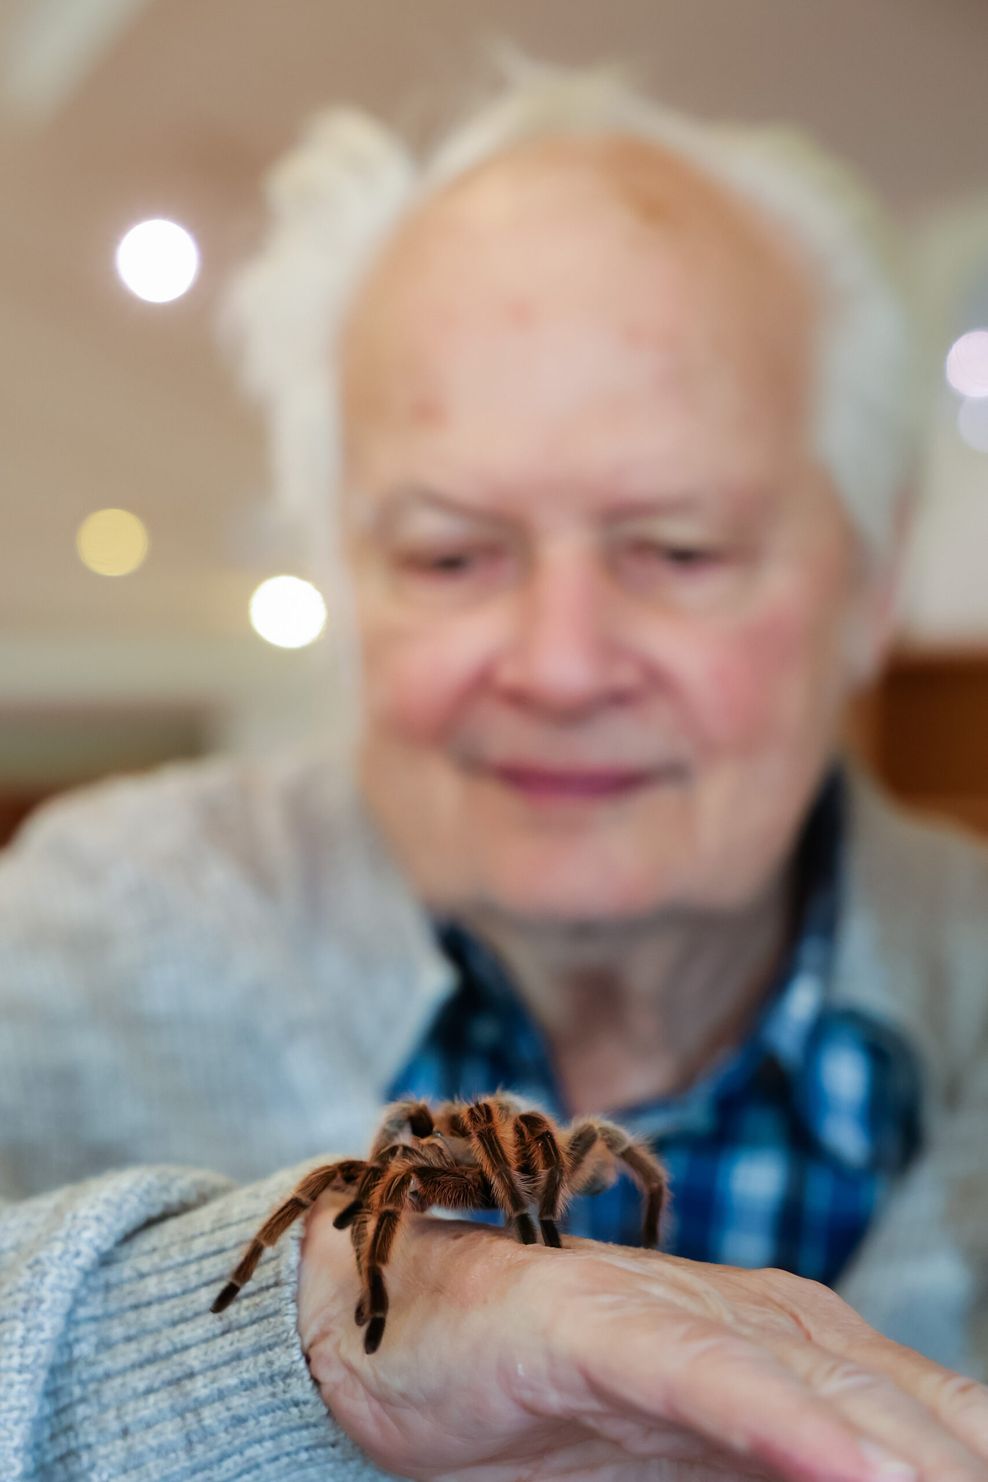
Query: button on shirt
780, 1155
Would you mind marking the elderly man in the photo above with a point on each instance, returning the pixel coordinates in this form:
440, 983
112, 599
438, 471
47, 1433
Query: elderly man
618, 486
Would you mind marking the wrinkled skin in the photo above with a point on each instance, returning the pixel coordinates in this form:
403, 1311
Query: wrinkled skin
502, 1362
588, 530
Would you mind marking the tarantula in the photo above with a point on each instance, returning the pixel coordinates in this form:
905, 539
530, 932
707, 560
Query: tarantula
492, 1153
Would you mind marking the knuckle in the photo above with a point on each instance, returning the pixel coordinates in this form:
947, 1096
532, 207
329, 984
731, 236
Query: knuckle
955, 1397
786, 1286
810, 1306
836, 1376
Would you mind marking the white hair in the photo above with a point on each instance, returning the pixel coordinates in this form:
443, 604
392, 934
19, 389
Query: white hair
336, 198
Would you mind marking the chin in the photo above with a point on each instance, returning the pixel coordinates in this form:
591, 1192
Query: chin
554, 911
569, 896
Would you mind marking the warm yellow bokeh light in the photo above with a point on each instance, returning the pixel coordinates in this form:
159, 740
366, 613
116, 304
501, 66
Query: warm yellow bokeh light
287, 611
112, 542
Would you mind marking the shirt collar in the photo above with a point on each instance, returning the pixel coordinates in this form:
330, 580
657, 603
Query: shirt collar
793, 1008
851, 1080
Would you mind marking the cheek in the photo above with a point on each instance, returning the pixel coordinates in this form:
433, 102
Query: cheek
762, 680
416, 679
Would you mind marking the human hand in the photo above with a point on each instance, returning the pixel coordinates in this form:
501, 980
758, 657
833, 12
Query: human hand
605, 1364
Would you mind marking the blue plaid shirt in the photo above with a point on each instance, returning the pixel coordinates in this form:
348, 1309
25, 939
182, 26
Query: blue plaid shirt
781, 1155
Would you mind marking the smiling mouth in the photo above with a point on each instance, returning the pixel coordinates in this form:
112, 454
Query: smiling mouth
538, 783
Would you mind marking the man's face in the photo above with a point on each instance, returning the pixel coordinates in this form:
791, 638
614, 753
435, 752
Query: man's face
603, 588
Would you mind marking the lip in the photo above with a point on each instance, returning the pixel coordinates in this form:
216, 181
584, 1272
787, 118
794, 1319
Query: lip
553, 784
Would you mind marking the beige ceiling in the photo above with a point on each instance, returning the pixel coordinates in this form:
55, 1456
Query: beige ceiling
117, 109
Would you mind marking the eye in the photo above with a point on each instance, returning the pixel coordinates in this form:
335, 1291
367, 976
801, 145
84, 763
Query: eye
453, 563
682, 557
687, 556
443, 563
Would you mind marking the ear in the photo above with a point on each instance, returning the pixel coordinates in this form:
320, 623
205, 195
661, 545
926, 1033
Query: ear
874, 614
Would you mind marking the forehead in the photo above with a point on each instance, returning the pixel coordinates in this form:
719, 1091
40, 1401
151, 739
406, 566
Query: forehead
573, 293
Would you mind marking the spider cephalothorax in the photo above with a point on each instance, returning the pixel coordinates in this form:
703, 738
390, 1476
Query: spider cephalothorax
492, 1153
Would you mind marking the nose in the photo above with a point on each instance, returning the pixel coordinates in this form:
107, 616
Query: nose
564, 653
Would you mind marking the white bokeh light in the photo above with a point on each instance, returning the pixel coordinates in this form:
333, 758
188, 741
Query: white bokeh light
287, 611
967, 363
158, 260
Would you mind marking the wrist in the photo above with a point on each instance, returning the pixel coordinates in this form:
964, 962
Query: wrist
328, 1285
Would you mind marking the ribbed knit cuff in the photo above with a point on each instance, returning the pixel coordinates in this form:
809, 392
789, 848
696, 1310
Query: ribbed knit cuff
153, 1386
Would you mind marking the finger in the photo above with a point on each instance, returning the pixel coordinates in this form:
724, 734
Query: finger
876, 1404
960, 1404
688, 1372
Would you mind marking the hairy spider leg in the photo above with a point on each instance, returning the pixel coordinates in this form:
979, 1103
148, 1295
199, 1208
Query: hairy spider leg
582, 1137
374, 1171
443, 1183
358, 1213
409, 1114
538, 1148
389, 1208
644, 1167
479, 1122
302, 1198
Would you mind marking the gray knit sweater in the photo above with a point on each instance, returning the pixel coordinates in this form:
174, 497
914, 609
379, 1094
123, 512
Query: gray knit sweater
207, 978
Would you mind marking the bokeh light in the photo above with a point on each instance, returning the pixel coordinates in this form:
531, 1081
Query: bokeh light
112, 542
967, 363
158, 260
287, 611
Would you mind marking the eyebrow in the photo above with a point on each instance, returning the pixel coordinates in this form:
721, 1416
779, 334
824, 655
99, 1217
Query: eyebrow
643, 507
385, 511
388, 509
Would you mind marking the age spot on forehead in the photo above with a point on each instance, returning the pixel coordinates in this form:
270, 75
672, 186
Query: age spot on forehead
428, 411
636, 335
520, 312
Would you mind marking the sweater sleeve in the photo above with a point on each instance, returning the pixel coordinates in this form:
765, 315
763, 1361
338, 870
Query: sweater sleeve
111, 1364
921, 1276
114, 1367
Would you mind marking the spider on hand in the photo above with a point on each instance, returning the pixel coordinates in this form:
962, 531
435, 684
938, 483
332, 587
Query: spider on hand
491, 1153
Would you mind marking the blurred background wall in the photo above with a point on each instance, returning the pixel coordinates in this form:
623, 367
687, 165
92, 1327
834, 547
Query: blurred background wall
113, 111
